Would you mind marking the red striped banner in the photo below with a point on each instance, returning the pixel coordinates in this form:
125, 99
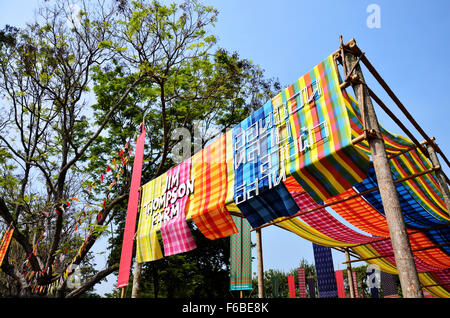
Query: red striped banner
355, 285
340, 284
291, 284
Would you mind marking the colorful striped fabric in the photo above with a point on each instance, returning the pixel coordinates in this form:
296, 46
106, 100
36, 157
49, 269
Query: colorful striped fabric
386, 266
424, 189
207, 207
269, 205
360, 213
4, 244
394, 143
301, 282
291, 286
150, 219
257, 171
326, 279
176, 235
428, 279
311, 287
325, 223
340, 283
328, 164
255, 154
229, 200
385, 248
415, 215
355, 284
298, 227
388, 285
241, 256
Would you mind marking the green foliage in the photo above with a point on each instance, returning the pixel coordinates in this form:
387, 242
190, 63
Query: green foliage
138, 60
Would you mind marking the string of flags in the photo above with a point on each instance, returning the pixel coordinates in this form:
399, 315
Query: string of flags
114, 169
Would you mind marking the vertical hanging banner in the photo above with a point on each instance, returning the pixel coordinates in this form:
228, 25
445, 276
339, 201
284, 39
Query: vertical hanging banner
301, 282
241, 256
355, 284
389, 285
340, 284
311, 287
207, 206
150, 220
4, 244
130, 222
291, 285
326, 279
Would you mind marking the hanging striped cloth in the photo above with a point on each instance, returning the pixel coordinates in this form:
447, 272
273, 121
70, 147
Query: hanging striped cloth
258, 191
311, 287
326, 279
388, 285
241, 256
318, 116
207, 207
4, 244
291, 286
176, 235
301, 282
355, 284
150, 219
340, 283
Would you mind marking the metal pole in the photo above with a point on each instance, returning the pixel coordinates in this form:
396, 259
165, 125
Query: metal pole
404, 260
440, 176
260, 264
136, 279
349, 273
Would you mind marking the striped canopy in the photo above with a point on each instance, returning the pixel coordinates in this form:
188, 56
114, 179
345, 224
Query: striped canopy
294, 155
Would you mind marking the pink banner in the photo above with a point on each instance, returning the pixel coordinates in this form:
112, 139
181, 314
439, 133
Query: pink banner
175, 232
291, 283
130, 222
340, 284
355, 284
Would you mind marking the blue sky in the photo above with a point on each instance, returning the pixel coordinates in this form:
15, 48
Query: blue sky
287, 38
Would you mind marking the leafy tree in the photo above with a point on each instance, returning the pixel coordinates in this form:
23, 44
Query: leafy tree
74, 88
276, 281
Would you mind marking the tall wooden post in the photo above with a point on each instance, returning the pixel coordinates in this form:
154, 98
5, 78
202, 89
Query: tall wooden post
136, 279
349, 274
440, 176
259, 257
404, 260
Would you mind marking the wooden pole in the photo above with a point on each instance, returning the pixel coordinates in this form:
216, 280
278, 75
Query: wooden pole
136, 279
407, 271
122, 292
349, 273
260, 264
399, 104
440, 176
